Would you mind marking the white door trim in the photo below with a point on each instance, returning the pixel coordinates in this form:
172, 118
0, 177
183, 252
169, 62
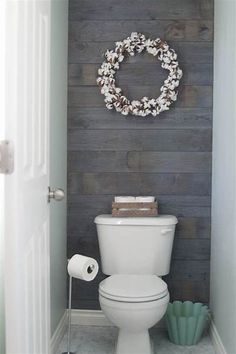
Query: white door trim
59, 333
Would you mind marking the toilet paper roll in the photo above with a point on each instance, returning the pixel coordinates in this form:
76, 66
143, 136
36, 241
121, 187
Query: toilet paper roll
82, 267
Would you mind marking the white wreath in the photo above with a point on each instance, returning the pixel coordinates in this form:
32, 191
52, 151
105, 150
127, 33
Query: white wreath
137, 43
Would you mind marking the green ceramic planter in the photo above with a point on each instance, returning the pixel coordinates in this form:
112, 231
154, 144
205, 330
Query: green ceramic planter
186, 322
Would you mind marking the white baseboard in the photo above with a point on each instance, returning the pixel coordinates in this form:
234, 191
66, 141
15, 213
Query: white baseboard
89, 318
95, 318
58, 334
216, 340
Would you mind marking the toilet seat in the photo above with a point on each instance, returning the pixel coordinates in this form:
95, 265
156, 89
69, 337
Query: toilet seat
133, 288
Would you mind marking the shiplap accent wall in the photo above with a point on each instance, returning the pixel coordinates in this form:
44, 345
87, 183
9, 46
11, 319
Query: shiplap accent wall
168, 156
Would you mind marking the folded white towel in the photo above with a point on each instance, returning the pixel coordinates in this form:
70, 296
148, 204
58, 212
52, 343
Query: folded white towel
145, 199
130, 199
124, 199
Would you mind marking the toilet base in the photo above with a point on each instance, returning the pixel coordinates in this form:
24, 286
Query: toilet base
133, 342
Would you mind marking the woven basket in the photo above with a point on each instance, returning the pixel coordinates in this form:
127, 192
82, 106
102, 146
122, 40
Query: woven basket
134, 209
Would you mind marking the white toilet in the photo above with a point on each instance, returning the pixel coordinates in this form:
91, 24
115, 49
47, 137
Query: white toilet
136, 253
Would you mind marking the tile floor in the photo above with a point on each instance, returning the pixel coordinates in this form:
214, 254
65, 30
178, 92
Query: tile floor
101, 340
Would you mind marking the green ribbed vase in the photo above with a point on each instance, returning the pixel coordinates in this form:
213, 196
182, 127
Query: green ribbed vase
186, 322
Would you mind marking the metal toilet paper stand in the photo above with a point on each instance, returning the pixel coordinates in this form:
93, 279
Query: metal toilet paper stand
90, 269
69, 320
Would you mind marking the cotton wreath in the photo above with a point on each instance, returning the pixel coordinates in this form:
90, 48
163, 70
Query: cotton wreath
132, 45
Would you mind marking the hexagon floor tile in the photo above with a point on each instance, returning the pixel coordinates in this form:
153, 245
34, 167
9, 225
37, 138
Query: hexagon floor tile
101, 340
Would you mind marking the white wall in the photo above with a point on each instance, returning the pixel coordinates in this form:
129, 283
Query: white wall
223, 258
58, 164
2, 136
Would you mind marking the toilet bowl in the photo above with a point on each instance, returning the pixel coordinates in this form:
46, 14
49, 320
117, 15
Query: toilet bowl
134, 303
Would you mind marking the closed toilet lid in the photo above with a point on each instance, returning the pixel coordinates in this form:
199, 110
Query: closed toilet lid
133, 288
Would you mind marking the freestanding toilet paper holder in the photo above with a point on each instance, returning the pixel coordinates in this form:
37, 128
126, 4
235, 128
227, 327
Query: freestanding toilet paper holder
91, 269
69, 319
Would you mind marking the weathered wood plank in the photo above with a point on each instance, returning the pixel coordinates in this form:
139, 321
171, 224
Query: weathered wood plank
153, 161
103, 202
88, 291
193, 227
185, 200
82, 209
93, 52
102, 205
98, 161
179, 211
112, 31
196, 291
138, 74
102, 118
123, 140
135, 161
191, 249
84, 244
140, 9
189, 270
183, 272
183, 249
191, 210
139, 183
85, 304
195, 96
189, 96
82, 225
86, 296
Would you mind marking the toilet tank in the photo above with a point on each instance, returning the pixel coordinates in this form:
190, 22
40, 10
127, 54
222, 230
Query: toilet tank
135, 245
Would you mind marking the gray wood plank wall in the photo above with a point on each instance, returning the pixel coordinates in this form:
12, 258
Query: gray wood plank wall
169, 157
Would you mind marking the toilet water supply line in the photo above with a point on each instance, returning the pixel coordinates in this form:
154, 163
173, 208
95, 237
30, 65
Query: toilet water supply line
84, 268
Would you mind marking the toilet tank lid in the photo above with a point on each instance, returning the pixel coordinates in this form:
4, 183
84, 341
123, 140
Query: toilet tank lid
108, 219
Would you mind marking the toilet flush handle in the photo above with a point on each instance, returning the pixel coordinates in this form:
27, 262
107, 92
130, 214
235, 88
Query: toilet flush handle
166, 231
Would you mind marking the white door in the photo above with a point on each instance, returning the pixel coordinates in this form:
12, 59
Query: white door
27, 210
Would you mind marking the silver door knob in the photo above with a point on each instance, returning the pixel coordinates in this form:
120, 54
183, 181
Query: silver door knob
57, 194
